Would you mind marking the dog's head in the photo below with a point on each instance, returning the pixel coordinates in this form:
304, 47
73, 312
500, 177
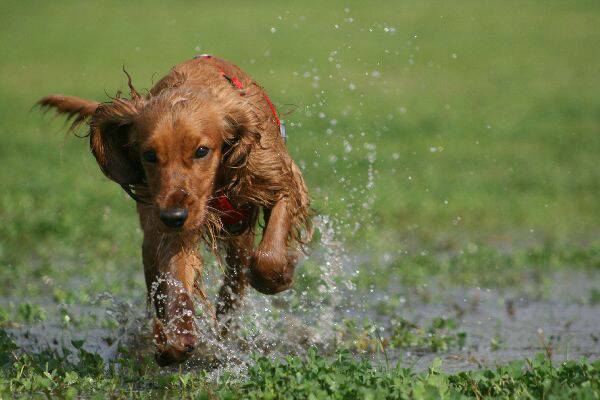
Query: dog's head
175, 145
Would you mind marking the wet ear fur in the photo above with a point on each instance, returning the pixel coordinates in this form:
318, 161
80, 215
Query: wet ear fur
111, 144
242, 133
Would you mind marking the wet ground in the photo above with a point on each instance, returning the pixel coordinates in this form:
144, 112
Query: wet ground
499, 326
504, 327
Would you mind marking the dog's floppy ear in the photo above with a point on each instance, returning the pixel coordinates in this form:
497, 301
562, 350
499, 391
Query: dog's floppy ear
111, 142
242, 133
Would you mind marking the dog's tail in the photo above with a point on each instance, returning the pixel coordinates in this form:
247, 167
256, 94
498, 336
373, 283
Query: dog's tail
75, 108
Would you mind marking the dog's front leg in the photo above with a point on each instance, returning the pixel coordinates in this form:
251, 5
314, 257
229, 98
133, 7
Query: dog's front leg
272, 264
239, 252
172, 265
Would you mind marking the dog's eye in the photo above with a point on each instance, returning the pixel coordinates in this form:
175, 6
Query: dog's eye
201, 152
149, 156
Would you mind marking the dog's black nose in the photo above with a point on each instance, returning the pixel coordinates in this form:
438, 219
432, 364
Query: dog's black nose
173, 217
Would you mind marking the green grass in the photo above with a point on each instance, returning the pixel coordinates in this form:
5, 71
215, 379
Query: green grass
450, 142
311, 377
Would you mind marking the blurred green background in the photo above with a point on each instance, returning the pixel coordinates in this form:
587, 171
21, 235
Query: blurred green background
423, 128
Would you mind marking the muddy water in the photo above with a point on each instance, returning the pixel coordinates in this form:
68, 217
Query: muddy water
500, 326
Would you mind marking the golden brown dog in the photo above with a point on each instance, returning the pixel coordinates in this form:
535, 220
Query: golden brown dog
202, 155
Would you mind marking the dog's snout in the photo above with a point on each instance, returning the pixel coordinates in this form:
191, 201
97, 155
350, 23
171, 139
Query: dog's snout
174, 217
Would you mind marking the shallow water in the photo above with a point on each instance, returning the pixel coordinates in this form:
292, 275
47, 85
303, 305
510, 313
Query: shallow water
504, 327
500, 325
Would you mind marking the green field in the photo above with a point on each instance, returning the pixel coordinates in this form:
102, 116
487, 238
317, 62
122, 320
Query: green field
454, 146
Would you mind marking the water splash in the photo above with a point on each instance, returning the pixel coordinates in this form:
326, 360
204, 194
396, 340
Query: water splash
290, 323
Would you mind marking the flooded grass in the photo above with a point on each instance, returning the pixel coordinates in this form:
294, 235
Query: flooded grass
399, 340
451, 151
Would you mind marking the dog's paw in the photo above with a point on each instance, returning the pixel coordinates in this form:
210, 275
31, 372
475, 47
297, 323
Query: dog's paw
172, 348
271, 272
